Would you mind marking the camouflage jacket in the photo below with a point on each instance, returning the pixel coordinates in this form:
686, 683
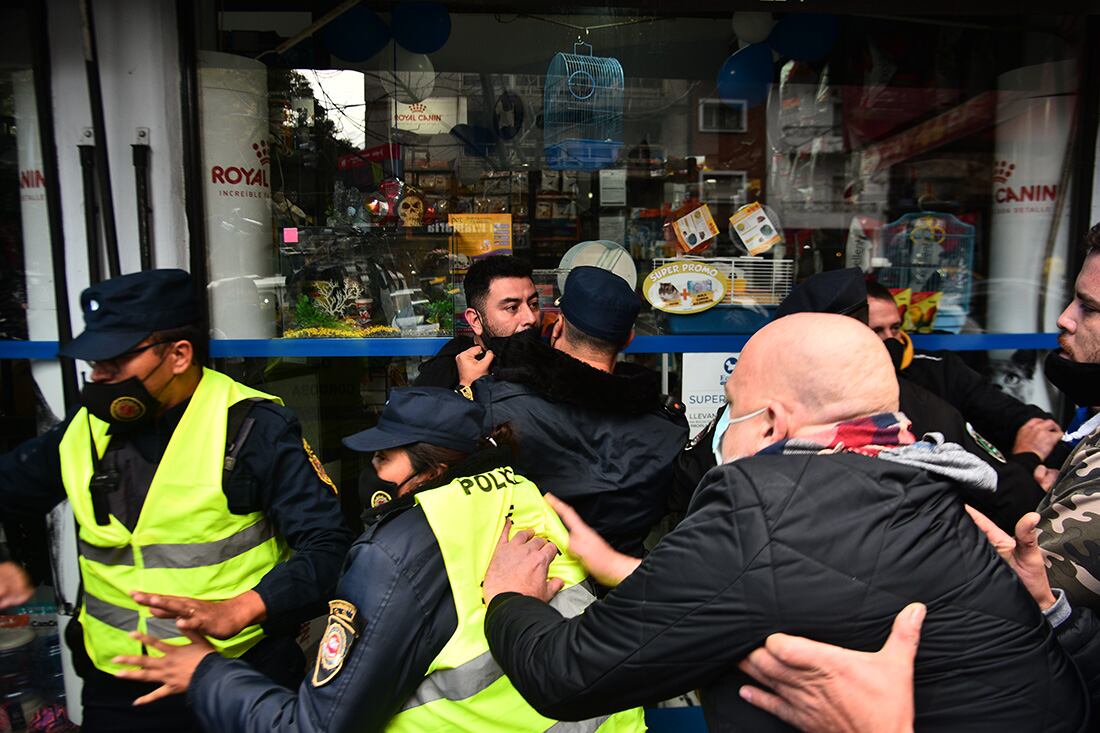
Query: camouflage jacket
1069, 532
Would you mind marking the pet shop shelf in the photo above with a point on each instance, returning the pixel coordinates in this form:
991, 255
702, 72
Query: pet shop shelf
365, 281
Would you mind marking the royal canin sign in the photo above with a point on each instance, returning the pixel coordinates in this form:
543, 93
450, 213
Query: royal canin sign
236, 175
242, 175
417, 113
1004, 193
32, 185
31, 179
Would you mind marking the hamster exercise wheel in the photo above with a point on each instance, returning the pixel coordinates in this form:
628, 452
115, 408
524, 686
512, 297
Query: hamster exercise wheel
582, 110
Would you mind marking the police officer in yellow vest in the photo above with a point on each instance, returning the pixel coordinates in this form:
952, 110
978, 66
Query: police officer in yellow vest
404, 648
201, 511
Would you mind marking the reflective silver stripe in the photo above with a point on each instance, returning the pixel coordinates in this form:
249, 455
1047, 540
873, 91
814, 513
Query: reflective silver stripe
455, 684
162, 628
471, 678
107, 555
571, 601
578, 726
108, 613
203, 554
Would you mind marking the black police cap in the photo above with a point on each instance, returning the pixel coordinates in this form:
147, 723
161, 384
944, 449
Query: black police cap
119, 313
843, 292
600, 303
431, 415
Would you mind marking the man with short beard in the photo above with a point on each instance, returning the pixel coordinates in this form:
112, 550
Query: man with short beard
1025, 433
501, 300
1069, 529
590, 428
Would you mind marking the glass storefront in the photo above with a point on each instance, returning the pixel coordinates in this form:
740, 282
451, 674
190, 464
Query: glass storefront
355, 159
356, 170
356, 162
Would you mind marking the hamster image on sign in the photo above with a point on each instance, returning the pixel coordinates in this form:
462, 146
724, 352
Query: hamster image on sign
668, 292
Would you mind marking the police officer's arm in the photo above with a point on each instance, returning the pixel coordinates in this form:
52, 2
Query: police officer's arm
647, 640
305, 510
30, 474
30, 483
405, 615
994, 413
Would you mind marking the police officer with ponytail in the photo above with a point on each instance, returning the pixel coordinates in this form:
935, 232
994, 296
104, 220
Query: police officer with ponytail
404, 648
203, 515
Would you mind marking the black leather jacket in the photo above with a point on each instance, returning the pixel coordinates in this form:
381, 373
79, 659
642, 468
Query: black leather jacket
825, 546
603, 442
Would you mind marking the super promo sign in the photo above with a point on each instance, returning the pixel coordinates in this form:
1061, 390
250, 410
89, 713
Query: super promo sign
685, 286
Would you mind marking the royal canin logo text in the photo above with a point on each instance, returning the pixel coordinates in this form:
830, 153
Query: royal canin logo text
237, 175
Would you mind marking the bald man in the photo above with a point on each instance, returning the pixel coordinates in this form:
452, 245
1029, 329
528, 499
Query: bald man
824, 519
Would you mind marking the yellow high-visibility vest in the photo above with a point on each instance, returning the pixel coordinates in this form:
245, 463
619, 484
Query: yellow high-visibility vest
186, 541
464, 688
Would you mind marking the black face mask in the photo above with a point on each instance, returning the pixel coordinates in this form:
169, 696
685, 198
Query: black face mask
896, 350
375, 491
532, 333
124, 404
1079, 382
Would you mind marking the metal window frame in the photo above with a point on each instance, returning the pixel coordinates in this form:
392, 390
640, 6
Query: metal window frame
704, 175
708, 101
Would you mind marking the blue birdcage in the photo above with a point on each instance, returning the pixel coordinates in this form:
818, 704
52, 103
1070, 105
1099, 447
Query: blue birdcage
929, 252
582, 107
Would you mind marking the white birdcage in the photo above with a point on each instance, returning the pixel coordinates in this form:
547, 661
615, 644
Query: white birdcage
756, 281
582, 110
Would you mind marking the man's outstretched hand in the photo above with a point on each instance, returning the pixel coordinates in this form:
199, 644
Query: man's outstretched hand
15, 585
603, 562
1021, 552
521, 565
173, 670
218, 619
822, 688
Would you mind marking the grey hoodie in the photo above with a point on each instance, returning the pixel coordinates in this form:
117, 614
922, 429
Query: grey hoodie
950, 460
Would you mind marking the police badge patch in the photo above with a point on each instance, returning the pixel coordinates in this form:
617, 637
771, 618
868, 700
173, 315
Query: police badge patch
335, 643
127, 409
317, 467
985, 444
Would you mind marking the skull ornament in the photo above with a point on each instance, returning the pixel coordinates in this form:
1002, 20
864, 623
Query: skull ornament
411, 211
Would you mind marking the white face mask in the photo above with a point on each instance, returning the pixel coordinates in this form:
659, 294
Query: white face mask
720, 431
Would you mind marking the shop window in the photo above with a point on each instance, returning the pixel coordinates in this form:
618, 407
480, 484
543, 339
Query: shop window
931, 152
716, 115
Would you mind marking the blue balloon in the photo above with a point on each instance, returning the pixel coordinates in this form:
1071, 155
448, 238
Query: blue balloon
746, 75
805, 36
356, 35
421, 27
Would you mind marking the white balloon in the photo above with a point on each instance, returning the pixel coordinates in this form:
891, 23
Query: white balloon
752, 26
409, 77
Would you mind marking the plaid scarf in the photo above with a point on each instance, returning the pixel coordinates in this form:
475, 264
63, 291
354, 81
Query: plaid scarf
867, 436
